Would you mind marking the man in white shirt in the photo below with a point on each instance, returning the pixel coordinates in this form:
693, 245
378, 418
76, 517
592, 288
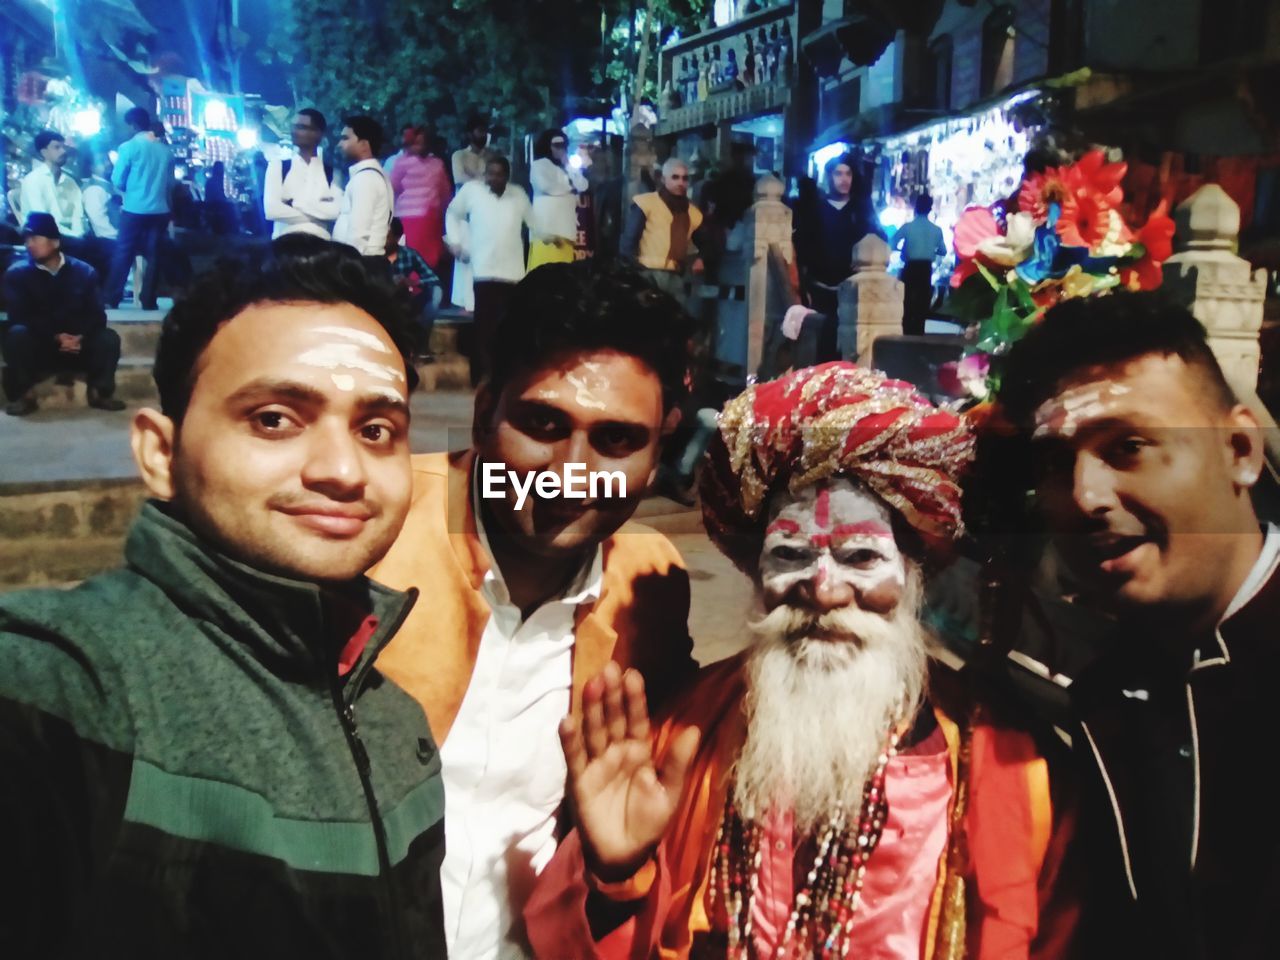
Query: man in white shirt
522, 602
483, 228
920, 242
367, 203
468, 165
299, 195
98, 193
49, 189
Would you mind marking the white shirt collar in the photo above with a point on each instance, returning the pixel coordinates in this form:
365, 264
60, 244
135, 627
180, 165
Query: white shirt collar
584, 588
53, 271
1261, 572
371, 163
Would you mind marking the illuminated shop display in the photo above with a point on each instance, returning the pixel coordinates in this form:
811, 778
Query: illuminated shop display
966, 161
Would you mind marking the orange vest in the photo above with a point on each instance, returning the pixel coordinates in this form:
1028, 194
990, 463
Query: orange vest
655, 242
640, 618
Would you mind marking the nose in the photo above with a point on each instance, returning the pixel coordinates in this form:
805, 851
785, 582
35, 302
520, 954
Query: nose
334, 463
823, 593
576, 448
1092, 488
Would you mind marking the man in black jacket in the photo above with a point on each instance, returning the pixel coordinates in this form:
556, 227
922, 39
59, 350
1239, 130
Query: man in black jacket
56, 322
1144, 465
198, 756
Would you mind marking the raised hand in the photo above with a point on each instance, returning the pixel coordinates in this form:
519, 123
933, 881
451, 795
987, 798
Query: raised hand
622, 800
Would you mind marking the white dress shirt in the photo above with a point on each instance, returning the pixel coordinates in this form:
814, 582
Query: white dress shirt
487, 227
302, 202
61, 198
504, 771
555, 200
97, 207
365, 215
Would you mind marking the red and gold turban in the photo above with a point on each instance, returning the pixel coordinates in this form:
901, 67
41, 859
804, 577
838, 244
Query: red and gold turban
833, 420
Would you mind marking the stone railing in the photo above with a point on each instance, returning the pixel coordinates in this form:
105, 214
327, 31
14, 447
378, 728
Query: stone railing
870, 300
1220, 288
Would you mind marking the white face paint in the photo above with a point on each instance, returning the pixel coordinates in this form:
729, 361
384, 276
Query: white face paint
836, 534
343, 381
356, 336
585, 392
1063, 415
350, 356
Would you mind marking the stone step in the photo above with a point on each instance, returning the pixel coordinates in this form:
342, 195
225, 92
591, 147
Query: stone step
139, 338
451, 371
133, 385
65, 533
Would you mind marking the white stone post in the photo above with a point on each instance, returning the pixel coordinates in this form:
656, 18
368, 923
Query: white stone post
870, 300
1217, 286
768, 224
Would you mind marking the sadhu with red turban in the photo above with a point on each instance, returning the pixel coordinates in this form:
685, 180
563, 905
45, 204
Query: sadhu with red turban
833, 420
828, 791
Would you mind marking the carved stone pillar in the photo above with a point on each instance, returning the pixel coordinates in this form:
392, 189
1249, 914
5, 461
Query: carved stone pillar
870, 300
768, 226
1217, 286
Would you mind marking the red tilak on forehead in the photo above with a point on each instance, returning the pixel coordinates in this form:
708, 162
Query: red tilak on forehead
864, 528
823, 515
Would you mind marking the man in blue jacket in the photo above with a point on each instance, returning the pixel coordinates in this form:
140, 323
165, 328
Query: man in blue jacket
56, 322
143, 173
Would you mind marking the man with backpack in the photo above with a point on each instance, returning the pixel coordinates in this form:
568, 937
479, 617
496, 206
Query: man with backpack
299, 195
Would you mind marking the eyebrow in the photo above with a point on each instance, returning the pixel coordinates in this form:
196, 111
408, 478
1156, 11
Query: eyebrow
532, 405
303, 394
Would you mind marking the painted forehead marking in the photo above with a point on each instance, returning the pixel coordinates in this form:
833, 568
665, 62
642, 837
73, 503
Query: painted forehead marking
1064, 414
356, 336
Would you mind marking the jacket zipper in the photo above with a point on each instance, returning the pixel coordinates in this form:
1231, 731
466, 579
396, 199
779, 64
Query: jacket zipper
347, 718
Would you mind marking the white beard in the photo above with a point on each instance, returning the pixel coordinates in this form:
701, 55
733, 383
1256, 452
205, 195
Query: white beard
823, 692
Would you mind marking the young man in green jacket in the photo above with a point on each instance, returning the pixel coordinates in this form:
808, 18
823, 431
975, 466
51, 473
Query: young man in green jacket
198, 757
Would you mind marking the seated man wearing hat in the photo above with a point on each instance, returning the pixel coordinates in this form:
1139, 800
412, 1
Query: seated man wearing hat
830, 791
56, 322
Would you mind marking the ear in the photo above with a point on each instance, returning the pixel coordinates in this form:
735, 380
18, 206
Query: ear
151, 435
482, 413
1246, 451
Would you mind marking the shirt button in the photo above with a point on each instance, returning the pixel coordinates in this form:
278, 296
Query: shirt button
779, 845
1184, 751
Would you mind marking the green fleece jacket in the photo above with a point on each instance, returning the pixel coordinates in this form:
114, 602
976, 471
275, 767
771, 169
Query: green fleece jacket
183, 772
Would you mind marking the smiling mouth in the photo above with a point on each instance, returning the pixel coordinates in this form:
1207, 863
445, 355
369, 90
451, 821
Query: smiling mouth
331, 523
1115, 554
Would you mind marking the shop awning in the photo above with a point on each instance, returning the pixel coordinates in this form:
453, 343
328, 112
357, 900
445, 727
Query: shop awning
865, 33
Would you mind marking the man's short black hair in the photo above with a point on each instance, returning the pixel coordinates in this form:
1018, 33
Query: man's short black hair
316, 117
46, 137
1102, 331
300, 269
138, 118
366, 128
501, 161
924, 203
475, 121
591, 305
397, 227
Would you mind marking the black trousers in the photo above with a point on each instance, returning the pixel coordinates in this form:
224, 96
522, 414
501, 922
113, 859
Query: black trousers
492, 299
917, 277
140, 235
30, 357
